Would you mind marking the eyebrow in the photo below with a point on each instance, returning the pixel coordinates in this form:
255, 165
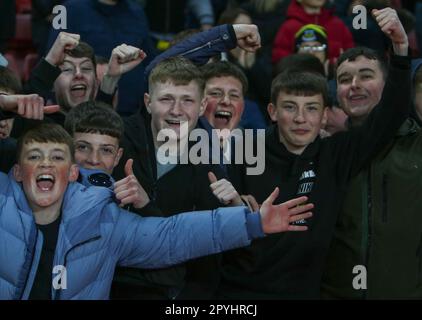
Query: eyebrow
360, 70
101, 144
83, 61
41, 151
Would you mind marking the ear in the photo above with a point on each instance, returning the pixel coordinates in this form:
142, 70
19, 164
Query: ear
272, 111
17, 173
147, 102
118, 157
203, 106
324, 117
73, 173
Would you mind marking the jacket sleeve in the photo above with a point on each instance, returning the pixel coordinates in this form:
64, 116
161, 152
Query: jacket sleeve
361, 144
201, 46
159, 242
4, 180
42, 79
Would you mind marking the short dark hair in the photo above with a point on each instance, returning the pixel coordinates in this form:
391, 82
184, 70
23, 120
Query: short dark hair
9, 81
300, 62
46, 133
353, 53
301, 84
225, 69
83, 50
178, 70
94, 117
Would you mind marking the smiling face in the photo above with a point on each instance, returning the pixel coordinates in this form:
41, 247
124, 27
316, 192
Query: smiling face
299, 119
225, 102
45, 169
97, 151
76, 83
172, 105
359, 87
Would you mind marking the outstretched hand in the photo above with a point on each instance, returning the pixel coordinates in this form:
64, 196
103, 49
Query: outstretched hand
278, 218
29, 106
390, 24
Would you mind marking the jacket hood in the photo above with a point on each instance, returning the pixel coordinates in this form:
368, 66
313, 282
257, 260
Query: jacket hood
296, 11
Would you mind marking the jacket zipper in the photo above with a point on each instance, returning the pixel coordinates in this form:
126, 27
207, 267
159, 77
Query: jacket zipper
367, 226
419, 254
56, 292
32, 261
384, 199
208, 44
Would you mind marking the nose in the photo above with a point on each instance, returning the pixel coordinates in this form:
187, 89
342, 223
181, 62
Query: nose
225, 99
78, 72
355, 82
177, 109
93, 158
299, 116
46, 162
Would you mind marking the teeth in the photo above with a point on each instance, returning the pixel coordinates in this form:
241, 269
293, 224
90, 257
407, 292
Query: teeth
78, 87
45, 177
173, 121
223, 114
357, 97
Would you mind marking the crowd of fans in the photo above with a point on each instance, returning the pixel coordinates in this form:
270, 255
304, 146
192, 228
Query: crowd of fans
90, 181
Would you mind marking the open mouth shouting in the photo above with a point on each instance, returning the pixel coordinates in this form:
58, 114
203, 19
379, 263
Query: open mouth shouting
78, 90
222, 119
45, 182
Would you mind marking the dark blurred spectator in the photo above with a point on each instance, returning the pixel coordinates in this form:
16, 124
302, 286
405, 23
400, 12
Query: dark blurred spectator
268, 15
105, 24
257, 67
7, 22
167, 18
418, 26
9, 84
42, 17
302, 12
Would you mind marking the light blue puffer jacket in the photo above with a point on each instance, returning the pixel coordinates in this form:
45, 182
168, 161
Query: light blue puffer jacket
95, 235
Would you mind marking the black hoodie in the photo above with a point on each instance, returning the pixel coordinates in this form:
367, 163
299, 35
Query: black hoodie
290, 265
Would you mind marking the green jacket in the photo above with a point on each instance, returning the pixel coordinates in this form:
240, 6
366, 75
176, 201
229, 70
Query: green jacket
380, 226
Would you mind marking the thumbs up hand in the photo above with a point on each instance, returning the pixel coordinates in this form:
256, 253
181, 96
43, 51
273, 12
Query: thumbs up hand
129, 190
224, 191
